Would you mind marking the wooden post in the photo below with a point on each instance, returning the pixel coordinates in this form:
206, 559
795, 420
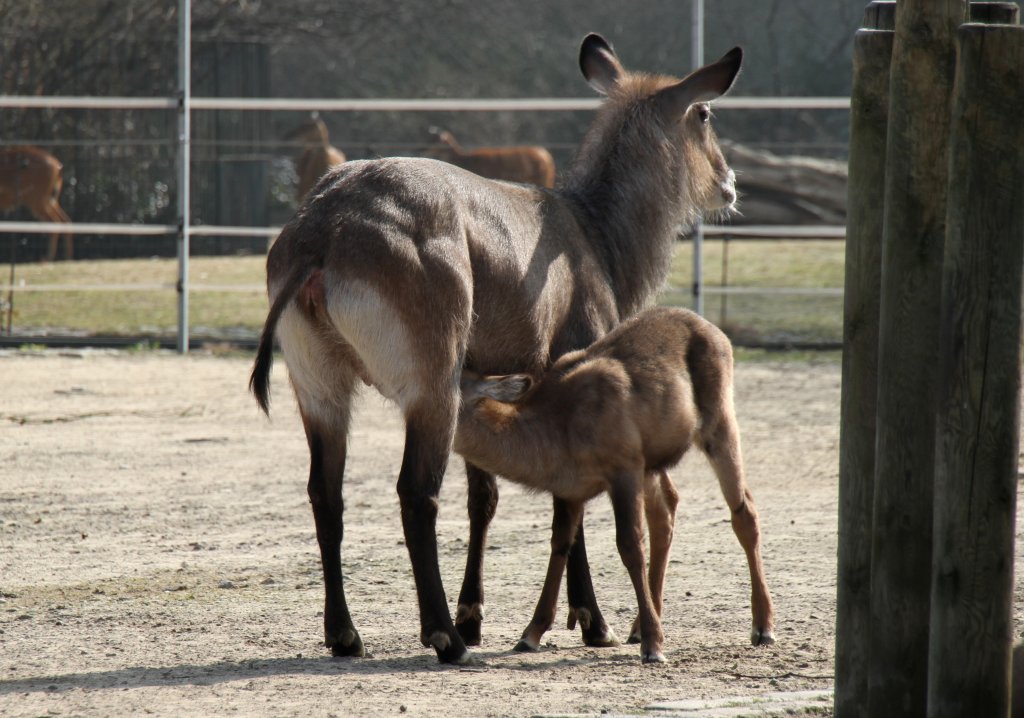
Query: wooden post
869, 108
921, 79
879, 15
995, 13
979, 381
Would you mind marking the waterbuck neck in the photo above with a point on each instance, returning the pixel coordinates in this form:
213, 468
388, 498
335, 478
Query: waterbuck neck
629, 187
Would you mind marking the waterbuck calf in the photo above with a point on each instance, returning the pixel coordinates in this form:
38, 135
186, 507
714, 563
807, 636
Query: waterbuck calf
400, 272
614, 417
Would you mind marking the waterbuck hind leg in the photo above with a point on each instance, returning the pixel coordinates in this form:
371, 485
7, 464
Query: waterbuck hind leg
660, 501
627, 504
582, 601
482, 502
427, 440
722, 447
327, 451
563, 528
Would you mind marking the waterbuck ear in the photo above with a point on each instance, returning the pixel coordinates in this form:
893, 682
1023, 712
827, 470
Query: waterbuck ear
703, 85
508, 388
599, 63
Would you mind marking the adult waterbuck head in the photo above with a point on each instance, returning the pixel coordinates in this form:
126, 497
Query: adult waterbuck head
399, 272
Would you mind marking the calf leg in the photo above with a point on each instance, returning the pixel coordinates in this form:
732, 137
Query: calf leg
567, 517
627, 503
722, 447
481, 503
428, 437
582, 601
660, 501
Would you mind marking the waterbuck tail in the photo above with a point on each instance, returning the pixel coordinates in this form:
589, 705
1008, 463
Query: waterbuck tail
259, 380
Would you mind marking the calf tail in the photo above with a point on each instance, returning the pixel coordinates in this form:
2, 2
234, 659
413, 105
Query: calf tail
259, 380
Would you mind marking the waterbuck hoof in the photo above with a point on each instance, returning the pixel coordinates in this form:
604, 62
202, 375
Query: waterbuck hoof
600, 638
348, 644
762, 638
653, 657
525, 646
468, 621
448, 651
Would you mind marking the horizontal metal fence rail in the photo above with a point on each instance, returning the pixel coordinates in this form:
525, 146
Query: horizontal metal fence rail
723, 232
324, 104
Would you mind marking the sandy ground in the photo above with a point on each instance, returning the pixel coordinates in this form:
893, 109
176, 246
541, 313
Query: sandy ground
158, 557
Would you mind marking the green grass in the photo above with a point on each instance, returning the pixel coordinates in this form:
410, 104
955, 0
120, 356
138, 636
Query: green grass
772, 318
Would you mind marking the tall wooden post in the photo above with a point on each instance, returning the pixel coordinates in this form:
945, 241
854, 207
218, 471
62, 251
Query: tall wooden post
869, 107
921, 79
996, 13
979, 381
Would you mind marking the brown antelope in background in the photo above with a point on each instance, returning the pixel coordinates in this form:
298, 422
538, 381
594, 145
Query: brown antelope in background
530, 164
614, 418
318, 155
400, 272
33, 178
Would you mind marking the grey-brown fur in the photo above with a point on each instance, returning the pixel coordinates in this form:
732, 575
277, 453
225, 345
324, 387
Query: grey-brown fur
417, 268
613, 418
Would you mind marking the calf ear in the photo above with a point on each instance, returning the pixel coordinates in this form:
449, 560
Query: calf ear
508, 388
708, 83
599, 63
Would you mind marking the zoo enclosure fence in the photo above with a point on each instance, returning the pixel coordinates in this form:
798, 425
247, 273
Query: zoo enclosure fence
184, 105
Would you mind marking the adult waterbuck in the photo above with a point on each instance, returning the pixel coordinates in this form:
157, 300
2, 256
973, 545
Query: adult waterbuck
613, 418
399, 272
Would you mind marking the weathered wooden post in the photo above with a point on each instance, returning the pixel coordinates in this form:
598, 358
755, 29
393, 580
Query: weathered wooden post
1004, 13
921, 79
978, 398
869, 107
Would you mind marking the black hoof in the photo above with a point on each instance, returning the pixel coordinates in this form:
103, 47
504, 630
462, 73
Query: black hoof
470, 632
600, 638
524, 647
352, 649
633, 638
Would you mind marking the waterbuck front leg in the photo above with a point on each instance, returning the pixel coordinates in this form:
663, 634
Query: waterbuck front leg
563, 528
428, 438
582, 601
327, 452
482, 502
627, 504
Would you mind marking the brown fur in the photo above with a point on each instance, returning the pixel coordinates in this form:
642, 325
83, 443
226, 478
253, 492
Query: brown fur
427, 268
529, 164
317, 157
614, 418
33, 178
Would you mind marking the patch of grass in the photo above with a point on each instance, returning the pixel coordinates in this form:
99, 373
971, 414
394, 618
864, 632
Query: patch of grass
228, 299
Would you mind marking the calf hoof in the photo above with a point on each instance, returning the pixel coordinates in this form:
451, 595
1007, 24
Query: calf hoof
762, 637
348, 644
653, 657
468, 621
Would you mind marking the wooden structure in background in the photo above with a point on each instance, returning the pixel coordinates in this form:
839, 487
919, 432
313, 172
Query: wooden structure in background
923, 628
869, 110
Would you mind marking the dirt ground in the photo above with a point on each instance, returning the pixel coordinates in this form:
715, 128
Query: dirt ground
158, 557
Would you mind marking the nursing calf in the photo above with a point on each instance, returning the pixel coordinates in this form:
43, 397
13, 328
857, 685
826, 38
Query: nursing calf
613, 418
